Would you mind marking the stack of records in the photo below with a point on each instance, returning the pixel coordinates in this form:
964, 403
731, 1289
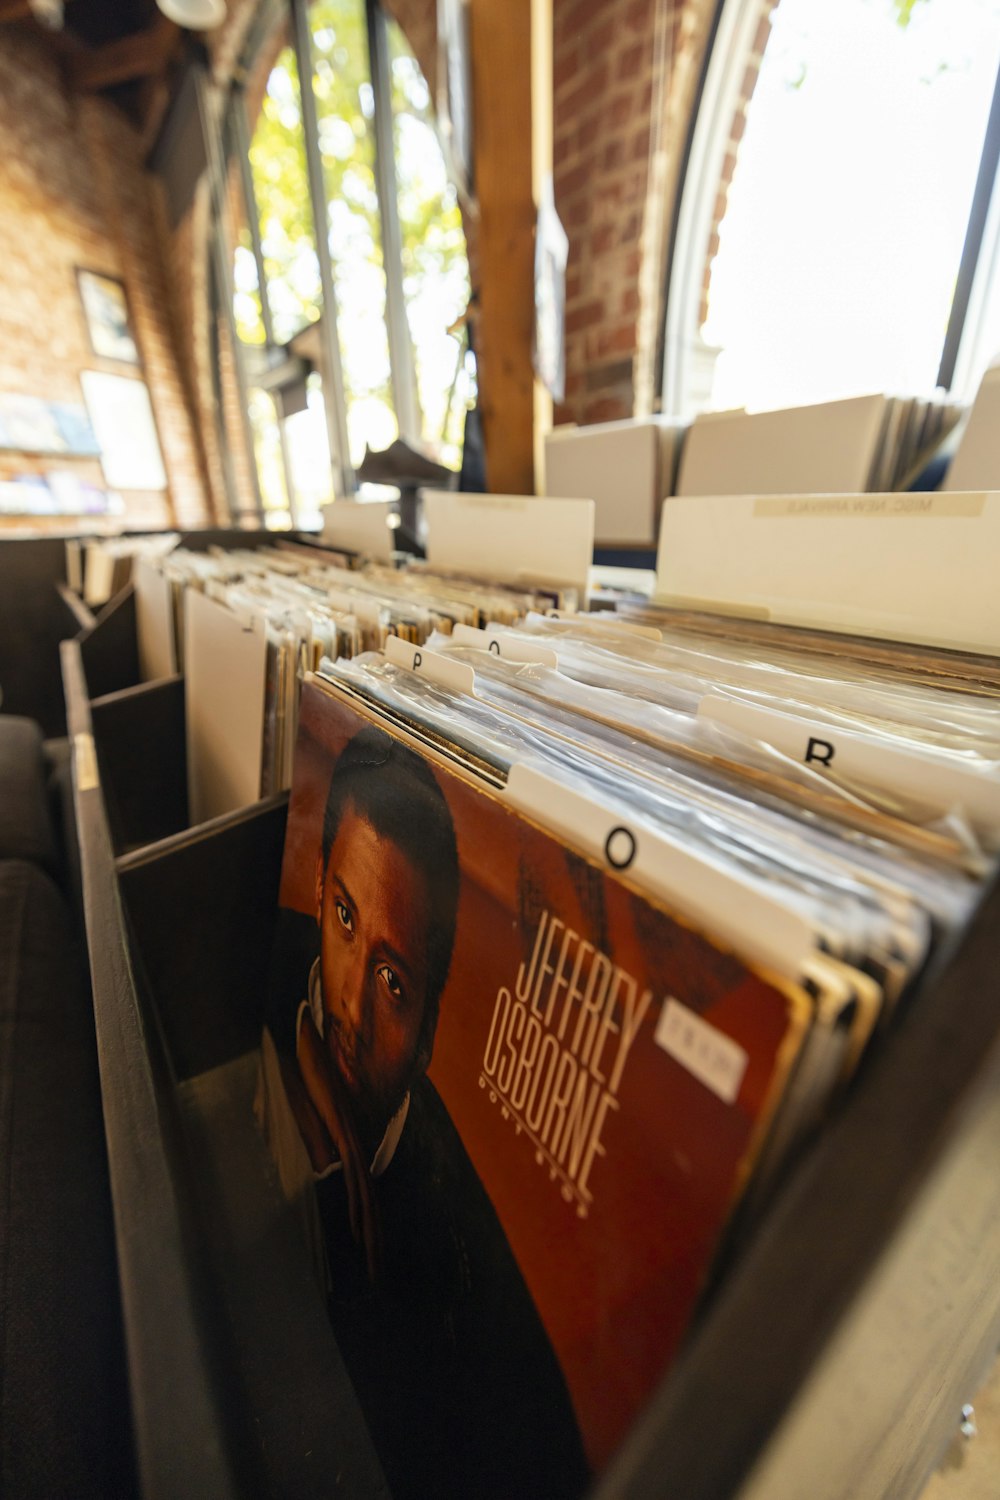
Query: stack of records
586, 925
245, 625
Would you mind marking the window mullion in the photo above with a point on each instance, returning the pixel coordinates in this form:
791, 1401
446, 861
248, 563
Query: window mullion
223, 252
334, 391
222, 442
973, 247
241, 132
404, 387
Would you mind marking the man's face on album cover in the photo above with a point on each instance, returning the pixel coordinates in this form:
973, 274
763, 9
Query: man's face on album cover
374, 915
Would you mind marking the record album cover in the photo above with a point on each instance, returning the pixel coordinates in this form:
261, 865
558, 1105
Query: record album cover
517, 1099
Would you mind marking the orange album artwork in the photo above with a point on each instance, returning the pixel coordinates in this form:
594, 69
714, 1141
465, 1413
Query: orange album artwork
526, 1099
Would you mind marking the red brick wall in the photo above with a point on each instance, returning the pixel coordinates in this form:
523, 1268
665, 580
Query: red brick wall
624, 76
603, 91
73, 193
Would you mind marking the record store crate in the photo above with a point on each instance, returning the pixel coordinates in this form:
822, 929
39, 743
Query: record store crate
139, 727
865, 1307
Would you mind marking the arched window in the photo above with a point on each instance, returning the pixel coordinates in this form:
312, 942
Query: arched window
833, 211
341, 332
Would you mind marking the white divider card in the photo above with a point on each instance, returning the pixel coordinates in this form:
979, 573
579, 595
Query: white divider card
938, 783
366, 611
154, 622
507, 644
976, 464
511, 538
98, 573
458, 676
364, 526
74, 565
602, 623
756, 924
224, 682
830, 447
919, 567
626, 468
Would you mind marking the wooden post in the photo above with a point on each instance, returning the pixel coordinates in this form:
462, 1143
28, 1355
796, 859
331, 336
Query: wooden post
541, 169
501, 39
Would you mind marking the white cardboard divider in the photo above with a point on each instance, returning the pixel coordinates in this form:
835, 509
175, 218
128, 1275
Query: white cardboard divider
225, 661
154, 621
743, 913
506, 644
457, 676
827, 448
941, 784
626, 468
512, 538
920, 567
362, 526
976, 464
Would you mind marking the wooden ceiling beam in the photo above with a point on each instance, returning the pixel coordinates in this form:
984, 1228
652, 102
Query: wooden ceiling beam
142, 55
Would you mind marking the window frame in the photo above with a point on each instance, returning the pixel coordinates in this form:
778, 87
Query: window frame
728, 53
231, 136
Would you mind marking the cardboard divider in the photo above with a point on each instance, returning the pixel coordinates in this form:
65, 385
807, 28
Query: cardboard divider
202, 907
511, 537
919, 568
78, 615
109, 650
140, 743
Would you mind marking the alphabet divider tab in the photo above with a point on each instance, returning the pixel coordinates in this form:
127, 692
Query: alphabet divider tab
601, 623
758, 926
505, 643
457, 676
937, 783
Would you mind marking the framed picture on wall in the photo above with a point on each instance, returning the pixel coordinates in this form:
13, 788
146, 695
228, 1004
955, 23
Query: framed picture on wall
105, 307
122, 418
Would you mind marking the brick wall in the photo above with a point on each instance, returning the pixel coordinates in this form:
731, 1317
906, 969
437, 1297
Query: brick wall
73, 193
624, 78
603, 92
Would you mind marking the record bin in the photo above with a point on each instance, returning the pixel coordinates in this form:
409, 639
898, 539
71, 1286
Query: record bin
865, 1307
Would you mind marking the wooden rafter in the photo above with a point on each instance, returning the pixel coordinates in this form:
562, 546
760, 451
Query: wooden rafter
142, 55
